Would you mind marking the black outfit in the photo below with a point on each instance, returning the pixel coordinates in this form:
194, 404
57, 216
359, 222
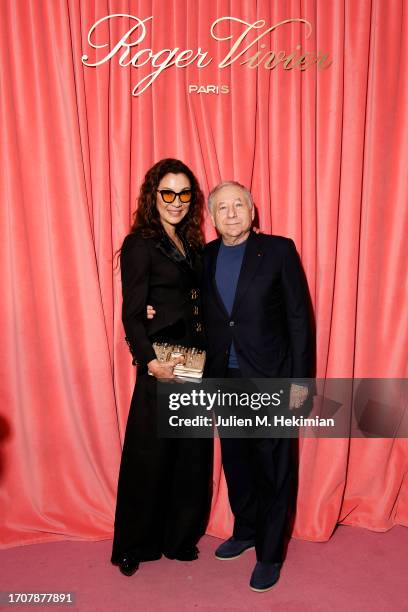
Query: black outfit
271, 329
164, 489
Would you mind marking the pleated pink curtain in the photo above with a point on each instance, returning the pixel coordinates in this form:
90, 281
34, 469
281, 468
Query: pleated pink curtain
325, 153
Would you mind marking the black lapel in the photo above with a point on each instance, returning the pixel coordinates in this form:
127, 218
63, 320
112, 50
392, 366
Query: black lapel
166, 246
212, 268
252, 258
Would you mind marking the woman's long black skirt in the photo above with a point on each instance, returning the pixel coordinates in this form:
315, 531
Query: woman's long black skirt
164, 488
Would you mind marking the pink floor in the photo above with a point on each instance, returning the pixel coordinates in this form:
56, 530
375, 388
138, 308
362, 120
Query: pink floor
356, 570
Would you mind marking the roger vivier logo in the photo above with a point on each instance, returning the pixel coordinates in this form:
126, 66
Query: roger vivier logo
246, 47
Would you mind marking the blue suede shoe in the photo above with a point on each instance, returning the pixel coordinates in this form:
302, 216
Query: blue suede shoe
232, 548
264, 576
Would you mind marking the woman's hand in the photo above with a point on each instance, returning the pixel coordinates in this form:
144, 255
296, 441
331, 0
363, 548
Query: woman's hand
161, 369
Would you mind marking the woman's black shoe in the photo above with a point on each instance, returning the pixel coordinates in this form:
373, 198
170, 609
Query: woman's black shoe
128, 565
186, 554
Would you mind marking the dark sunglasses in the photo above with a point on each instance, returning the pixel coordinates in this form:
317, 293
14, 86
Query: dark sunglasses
168, 195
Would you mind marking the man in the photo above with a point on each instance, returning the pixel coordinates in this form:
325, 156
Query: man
256, 317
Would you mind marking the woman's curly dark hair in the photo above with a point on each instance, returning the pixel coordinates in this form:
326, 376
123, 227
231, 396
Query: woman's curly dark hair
147, 219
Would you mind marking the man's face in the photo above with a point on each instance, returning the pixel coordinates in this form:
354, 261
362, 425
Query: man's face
231, 213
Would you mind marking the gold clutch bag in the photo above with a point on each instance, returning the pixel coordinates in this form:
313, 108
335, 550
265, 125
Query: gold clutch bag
194, 359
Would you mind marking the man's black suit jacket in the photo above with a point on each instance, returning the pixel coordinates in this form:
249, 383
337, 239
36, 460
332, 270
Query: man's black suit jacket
270, 322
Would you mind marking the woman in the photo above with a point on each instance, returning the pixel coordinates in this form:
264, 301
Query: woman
164, 489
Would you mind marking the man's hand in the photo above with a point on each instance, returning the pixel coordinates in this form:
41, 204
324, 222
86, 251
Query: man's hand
298, 396
164, 370
150, 312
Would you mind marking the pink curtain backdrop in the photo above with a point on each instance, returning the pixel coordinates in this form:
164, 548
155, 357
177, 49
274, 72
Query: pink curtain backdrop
325, 153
